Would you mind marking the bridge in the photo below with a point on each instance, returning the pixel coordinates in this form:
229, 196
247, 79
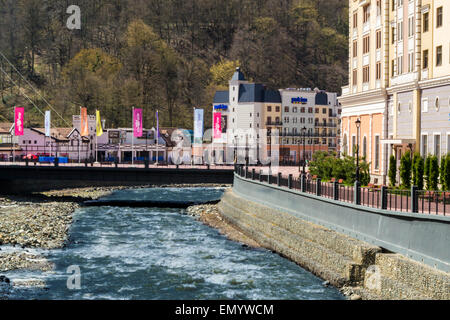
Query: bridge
19, 179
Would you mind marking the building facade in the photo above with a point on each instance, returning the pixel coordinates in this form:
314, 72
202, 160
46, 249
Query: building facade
399, 88
292, 116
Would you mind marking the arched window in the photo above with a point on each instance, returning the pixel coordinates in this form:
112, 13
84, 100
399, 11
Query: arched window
345, 144
437, 104
365, 148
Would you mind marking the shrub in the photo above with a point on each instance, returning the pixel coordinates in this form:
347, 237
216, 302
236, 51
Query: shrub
427, 172
419, 172
405, 170
415, 177
434, 173
393, 171
327, 166
445, 173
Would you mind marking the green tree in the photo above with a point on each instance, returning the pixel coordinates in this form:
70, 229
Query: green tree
419, 172
405, 170
393, 171
222, 72
413, 168
434, 173
427, 172
445, 172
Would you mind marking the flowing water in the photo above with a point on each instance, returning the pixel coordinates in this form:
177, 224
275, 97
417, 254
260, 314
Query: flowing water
162, 254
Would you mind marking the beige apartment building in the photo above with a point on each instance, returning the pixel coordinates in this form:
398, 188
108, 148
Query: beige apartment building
399, 71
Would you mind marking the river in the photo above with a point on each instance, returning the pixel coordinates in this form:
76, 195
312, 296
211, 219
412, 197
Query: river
153, 254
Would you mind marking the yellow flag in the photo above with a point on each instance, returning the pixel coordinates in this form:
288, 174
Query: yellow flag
99, 125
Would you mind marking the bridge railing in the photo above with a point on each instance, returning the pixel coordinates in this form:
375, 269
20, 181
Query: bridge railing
414, 200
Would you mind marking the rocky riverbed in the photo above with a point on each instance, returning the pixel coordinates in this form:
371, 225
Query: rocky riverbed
210, 215
42, 220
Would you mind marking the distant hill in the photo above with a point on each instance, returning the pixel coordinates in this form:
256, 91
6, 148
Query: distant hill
167, 55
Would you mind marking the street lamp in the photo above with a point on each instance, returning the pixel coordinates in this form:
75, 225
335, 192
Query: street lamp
358, 127
304, 149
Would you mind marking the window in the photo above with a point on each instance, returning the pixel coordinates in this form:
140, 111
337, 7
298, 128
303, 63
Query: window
410, 107
400, 65
393, 35
378, 72
379, 39
324, 111
425, 59
355, 20
410, 62
366, 44
425, 105
355, 49
393, 5
355, 77
448, 143
393, 68
399, 108
439, 17
410, 26
366, 74
286, 109
437, 104
437, 146
295, 110
269, 120
378, 8
366, 10
439, 56
365, 148
278, 109
400, 31
269, 109
426, 22
354, 146
424, 145
377, 152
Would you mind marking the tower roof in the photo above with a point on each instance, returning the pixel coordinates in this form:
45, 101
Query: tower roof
238, 75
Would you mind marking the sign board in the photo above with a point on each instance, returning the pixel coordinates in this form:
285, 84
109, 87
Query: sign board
299, 100
198, 126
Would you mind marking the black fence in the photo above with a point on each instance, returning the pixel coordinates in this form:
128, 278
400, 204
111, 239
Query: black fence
414, 200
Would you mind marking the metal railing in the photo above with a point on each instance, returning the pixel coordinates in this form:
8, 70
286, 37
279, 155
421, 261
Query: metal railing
383, 198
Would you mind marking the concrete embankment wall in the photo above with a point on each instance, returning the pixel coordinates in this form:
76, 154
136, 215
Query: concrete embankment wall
20, 179
338, 246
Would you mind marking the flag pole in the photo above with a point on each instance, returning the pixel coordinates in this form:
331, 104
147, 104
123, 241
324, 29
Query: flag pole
96, 138
132, 139
79, 140
157, 137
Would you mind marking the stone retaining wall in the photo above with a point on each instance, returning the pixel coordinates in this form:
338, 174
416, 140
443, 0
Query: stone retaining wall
335, 257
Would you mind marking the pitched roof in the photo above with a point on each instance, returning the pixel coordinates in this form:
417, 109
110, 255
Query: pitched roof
222, 97
321, 99
258, 93
5, 126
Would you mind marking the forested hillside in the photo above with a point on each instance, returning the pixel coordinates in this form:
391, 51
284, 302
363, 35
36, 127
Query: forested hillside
169, 55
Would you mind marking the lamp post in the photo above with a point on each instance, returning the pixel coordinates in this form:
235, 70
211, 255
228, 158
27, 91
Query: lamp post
299, 158
358, 127
304, 149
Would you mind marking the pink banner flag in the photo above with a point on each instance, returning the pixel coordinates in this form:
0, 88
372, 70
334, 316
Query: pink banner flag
18, 121
217, 125
137, 123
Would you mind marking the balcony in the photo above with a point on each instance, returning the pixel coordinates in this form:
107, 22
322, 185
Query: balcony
326, 125
274, 123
